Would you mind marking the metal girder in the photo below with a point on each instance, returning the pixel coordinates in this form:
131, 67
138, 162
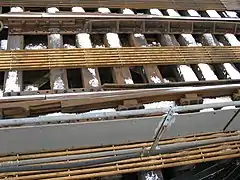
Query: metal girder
86, 134
72, 23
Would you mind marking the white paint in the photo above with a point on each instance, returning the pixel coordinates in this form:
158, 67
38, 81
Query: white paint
4, 44
77, 9
113, 40
128, 81
12, 82
213, 13
161, 104
83, 40
52, 10
103, 10
231, 14
194, 13
16, 9
156, 79
127, 11
93, 82
156, 12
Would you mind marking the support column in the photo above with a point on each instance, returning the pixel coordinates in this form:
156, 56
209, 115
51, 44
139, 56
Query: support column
121, 75
58, 77
13, 79
230, 71
90, 76
152, 72
183, 72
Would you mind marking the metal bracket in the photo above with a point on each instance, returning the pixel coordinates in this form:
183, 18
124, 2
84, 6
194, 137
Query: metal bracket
160, 131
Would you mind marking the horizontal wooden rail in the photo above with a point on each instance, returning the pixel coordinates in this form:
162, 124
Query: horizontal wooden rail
109, 57
220, 5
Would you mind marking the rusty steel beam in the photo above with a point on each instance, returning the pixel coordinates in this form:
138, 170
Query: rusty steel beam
72, 23
110, 57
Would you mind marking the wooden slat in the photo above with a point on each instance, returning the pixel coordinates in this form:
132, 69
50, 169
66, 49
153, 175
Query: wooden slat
114, 57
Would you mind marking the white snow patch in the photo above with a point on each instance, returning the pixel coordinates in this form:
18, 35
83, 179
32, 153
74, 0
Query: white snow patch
12, 82
127, 11
113, 40
52, 10
1, 93
192, 12
16, 9
187, 73
128, 81
31, 88
151, 176
156, 12
155, 79
217, 100
69, 46
77, 9
189, 39
232, 39
211, 41
58, 83
104, 10
93, 82
102, 110
207, 72
4, 44
172, 12
161, 104
213, 13
83, 40
92, 71
39, 46
231, 14
59, 114
232, 71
